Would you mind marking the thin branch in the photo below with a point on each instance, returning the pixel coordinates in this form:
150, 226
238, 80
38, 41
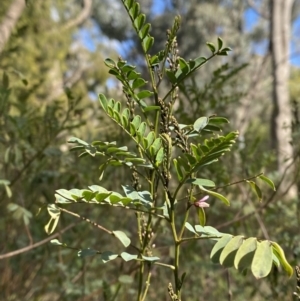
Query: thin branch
87, 8
227, 185
87, 220
263, 206
38, 244
94, 224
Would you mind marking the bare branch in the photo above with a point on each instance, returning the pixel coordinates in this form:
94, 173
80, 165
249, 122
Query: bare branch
9, 21
38, 244
87, 8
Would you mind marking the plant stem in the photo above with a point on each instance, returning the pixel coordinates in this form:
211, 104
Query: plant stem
177, 247
147, 284
141, 276
176, 271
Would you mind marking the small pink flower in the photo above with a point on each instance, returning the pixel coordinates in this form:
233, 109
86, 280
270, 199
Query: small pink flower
201, 203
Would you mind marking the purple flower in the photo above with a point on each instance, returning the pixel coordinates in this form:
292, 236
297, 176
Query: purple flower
201, 203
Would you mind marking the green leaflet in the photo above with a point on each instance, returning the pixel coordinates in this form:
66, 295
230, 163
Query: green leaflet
245, 254
122, 237
279, 253
262, 260
217, 195
228, 254
218, 248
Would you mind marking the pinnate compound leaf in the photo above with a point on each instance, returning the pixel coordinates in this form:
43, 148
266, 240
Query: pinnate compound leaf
268, 181
230, 250
218, 248
262, 261
279, 253
245, 254
124, 239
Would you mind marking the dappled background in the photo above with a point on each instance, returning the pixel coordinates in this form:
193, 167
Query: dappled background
51, 68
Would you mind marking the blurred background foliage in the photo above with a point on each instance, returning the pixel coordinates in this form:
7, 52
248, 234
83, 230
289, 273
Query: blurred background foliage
52, 70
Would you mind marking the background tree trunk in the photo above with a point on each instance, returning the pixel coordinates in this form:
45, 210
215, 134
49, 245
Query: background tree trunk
9, 21
281, 121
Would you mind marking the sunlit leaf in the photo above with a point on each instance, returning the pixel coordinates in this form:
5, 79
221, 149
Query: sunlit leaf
201, 182
124, 239
218, 248
147, 43
217, 195
228, 254
256, 189
200, 123
262, 261
50, 227
245, 254
178, 170
127, 257
190, 228
279, 253
144, 94
268, 181
56, 242
109, 63
77, 140
150, 258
